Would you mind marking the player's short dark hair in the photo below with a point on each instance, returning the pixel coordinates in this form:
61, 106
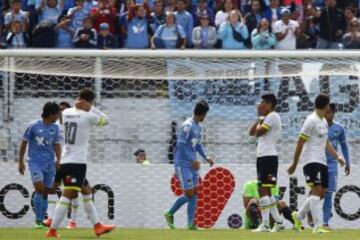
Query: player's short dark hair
202, 107
269, 98
139, 151
321, 101
333, 107
87, 94
65, 104
50, 108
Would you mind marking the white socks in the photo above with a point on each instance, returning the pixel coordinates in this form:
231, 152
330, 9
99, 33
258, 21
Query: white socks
60, 212
315, 208
265, 211
274, 210
305, 208
52, 200
90, 209
74, 209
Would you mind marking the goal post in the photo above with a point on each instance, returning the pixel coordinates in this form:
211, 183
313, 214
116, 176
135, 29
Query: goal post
149, 93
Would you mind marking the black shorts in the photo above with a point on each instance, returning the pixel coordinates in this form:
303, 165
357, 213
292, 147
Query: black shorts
267, 168
72, 175
316, 174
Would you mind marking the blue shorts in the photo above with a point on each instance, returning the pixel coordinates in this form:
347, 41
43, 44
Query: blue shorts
189, 178
332, 181
42, 172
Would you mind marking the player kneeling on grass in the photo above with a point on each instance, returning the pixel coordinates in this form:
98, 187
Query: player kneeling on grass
78, 123
43, 137
252, 214
186, 165
311, 146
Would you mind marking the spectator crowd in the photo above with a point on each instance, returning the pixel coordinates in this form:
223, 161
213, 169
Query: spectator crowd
182, 24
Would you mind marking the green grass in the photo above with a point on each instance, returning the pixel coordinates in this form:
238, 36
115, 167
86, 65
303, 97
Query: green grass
161, 234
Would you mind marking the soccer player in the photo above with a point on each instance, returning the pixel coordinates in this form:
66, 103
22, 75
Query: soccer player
52, 196
336, 136
44, 138
267, 129
186, 165
78, 123
252, 216
311, 146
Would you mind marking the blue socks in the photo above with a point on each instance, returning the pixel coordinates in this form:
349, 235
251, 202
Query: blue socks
191, 210
327, 207
38, 204
178, 204
44, 206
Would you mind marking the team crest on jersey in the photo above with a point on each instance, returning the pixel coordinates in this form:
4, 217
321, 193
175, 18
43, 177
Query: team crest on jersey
336, 133
186, 129
189, 182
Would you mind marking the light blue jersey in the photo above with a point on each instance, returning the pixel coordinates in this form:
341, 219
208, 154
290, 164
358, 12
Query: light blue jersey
170, 35
137, 33
336, 135
41, 139
77, 17
188, 143
185, 20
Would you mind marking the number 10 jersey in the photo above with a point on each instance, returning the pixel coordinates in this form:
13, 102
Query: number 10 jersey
77, 126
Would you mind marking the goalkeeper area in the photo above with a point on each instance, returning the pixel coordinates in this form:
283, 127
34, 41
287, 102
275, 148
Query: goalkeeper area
147, 96
161, 234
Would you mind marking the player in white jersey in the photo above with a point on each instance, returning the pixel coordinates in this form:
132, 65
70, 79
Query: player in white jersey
267, 129
310, 148
78, 123
52, 197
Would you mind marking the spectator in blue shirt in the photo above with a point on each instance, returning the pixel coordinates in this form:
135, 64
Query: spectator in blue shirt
262, 37
233, 33
17, 37
16, 14
106, 40
169, 35
64, 32
273, 11
49, 10
89, 4
204, 36
200, 9
157, 16
137, 26
184, 19
77, 14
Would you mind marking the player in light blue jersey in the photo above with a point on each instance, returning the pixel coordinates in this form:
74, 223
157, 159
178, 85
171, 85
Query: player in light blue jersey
44, 139
186, 165
336, 135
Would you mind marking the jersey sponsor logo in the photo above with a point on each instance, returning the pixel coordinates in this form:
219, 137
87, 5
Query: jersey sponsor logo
39, 140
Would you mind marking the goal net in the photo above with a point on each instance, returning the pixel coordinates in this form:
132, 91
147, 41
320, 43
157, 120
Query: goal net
148, 94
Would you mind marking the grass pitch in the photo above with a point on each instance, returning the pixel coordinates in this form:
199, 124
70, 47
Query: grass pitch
162, 234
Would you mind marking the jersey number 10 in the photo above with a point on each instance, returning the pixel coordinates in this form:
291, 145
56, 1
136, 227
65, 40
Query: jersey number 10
70, 132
